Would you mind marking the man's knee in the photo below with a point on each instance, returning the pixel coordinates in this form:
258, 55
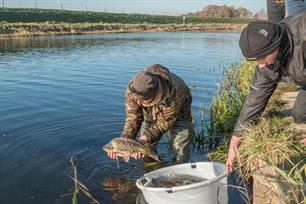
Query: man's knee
299, 112
298, 117
182, 135
299, 108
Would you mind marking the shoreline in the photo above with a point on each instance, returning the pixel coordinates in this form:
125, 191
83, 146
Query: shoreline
19, 30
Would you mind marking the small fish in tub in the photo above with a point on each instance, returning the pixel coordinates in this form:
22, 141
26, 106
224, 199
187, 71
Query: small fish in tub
173, 180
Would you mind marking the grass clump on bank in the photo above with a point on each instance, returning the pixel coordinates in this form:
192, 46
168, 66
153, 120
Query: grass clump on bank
272, 141
274, 145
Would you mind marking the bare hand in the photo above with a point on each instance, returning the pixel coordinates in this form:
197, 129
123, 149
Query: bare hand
143, 139
233, 153
112, 155
137, 155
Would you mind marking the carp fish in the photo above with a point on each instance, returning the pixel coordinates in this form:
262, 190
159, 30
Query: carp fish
124, 147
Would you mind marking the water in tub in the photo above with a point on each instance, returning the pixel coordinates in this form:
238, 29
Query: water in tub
173, 180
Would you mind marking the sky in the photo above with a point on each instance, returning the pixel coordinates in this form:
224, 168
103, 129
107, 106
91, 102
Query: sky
163, 7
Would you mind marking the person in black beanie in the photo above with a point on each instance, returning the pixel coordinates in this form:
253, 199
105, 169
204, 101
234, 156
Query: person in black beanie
280, 52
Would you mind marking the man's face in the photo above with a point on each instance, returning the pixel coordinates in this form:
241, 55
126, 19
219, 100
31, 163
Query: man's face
267, 60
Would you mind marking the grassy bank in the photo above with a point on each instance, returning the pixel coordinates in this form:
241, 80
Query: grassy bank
47, 28
270, 143
16, 22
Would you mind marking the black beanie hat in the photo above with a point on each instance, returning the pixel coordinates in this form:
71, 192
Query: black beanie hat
260, 39
144, 85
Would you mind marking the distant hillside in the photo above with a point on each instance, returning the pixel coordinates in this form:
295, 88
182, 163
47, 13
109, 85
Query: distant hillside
215, 11
25, 15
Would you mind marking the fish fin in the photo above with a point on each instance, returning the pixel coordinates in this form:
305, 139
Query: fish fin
126, 157
152, 154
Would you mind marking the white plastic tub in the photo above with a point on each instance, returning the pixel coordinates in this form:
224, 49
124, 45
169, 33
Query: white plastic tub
211, 191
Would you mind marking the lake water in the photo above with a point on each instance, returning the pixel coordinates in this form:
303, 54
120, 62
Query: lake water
63, 96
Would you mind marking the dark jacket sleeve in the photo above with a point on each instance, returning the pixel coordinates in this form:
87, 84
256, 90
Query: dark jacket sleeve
276, 10
262, 87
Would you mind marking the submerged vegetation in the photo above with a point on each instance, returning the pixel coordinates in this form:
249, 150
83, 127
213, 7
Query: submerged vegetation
270, 143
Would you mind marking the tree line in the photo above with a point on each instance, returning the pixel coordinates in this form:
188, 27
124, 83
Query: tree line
215, 11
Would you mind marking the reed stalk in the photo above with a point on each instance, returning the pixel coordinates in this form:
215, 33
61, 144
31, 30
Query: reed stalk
218, 121
75, 186
79, 187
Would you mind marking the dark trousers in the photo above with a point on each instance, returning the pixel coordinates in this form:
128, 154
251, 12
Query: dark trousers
180, 137
277, 10
299, 108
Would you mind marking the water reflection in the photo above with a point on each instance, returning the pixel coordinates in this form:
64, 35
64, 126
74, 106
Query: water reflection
67, 42
120, 188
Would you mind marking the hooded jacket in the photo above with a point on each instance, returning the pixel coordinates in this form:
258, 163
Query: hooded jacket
290, 63
172, 103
